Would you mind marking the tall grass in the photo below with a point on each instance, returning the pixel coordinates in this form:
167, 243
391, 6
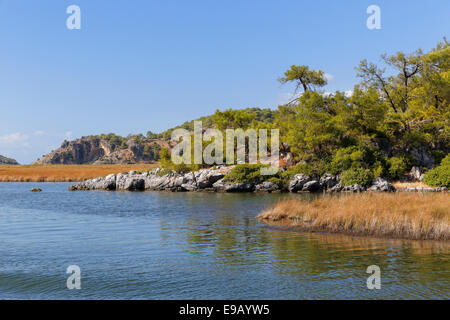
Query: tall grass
398, 215
63, 173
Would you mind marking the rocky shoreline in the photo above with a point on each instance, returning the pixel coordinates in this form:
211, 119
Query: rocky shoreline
212, 180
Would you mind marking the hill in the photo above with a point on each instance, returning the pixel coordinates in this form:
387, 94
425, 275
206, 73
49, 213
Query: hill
5, 160
114, 149
105, 149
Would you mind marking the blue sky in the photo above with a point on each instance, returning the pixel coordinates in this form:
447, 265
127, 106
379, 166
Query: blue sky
149, 65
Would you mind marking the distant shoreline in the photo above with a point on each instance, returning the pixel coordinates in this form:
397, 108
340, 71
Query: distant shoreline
63, 173
83, 172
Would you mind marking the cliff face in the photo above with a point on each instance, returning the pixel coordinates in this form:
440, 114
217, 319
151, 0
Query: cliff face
98, 150
5, 160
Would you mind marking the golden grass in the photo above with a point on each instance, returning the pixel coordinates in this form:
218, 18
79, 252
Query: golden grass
63, 173
397, 215
404, 185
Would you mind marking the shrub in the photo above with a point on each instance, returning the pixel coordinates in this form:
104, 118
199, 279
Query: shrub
439, 176
326, 165
248, 173
168, 166
398, 166
360, 156
378, 171
163, 172
446, 161
344, 158
304, 168
361, 176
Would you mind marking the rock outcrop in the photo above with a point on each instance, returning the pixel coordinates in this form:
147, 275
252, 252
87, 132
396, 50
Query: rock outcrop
298, 181
416, 174
5, 160
154, 180
213, 180
380, 184
105, 150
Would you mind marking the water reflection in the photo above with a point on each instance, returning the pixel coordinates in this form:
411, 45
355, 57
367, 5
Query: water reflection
158, 245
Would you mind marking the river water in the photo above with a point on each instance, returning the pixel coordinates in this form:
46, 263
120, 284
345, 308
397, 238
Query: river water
162, 245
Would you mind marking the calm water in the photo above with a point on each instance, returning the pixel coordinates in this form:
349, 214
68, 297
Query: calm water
162, 245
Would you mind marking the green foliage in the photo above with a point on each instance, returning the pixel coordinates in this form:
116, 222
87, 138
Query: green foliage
342, 159
304, 168
151, 135
243, 119
379, 170
303, 77
164, 157
439, 176
398, 166
163, 172
400, 105
168, 166
248, 173
446, 161
438, 155
361, 176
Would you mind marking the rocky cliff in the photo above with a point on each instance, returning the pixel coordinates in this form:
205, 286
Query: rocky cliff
5, 160
105, 149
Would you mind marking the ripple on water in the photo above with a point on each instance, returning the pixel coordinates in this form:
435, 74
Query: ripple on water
156, 245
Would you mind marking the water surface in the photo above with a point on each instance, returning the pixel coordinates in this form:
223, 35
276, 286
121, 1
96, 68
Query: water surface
162, 245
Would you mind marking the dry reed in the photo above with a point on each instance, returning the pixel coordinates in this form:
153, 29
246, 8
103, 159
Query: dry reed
63, 173
398, 215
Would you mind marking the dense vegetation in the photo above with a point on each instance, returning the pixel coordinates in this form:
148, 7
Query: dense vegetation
243, 118
439, 176
146, 147
5, 160
396, 117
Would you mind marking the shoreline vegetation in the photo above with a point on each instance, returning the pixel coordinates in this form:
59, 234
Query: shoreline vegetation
389, 215
63, 173
393, 126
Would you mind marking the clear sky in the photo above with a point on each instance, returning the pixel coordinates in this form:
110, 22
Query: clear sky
136, 65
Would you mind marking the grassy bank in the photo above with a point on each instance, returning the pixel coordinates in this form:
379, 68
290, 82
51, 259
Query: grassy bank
63, 173
399, 215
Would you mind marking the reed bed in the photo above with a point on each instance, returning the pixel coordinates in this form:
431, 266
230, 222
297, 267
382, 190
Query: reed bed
63, 173
398, 215
403, 185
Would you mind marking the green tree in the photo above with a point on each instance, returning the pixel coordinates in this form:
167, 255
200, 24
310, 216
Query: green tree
303, 77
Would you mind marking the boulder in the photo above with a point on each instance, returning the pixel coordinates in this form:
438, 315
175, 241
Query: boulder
130, 182
337, 188
239, 187
416, 174
328, 181
267, 186
383, 185
233, 187
207, 177
353, 188
298, 181
219, 185
311, 186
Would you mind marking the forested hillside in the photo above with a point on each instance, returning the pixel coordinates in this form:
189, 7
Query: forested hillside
396, 117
